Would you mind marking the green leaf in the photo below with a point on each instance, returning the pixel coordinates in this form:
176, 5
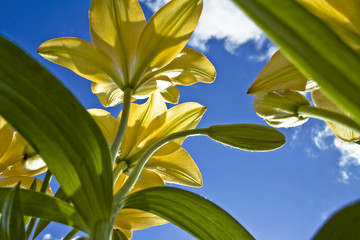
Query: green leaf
250, 137
345, 224
60, 130
42, 224
193, 213
313, 48
43, 206
12, 219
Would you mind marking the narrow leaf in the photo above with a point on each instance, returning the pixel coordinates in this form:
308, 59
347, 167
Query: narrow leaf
345, 224
43, 206
12, 220
250, 137
313, 48
59, 129
193, 213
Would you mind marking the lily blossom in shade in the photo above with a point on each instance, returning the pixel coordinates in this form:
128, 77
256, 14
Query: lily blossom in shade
128, 53
148, 123
14, 151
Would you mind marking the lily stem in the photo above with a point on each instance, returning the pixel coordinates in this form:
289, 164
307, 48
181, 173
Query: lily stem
126, 188
123, 123
326, 115
43, 189
120, 167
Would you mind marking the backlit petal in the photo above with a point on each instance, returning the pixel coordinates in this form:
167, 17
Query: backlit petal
166, 34
6, 134
345, 134
139, 121
79, 56
187, 68
13, 154
115, 27
107, 123
137, 219
280, 74
109, 94
177, 167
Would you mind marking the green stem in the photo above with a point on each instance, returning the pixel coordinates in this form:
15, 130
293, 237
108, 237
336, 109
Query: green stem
101, 231
43, 189
120, 167
124, 191
114, 149
71, 234
326, 115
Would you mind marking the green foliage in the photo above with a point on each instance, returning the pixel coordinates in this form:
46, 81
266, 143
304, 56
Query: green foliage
345, 224
12, 220
59, 129
193, 213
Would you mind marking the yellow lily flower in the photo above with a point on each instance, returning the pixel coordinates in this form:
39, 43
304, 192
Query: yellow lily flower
128, 220
279, 74
13, 150
127, 52
149, 123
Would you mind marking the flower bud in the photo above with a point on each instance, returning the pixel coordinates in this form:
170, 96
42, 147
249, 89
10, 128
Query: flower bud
279, 109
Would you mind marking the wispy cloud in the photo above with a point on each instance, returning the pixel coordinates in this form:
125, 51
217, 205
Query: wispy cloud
349, 152
222, 20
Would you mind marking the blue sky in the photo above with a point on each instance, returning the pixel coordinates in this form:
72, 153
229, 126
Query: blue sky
283, 194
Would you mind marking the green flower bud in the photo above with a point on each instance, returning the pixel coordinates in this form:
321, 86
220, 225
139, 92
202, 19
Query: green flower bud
279, 109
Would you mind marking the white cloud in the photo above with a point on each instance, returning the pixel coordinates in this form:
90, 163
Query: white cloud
47, 237
321, 137
221, 20
349, 152
265, 56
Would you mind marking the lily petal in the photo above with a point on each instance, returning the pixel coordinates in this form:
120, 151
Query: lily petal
177, 167
280, 74
115, 27
345, 134
25, 182
139, 122
79, 56
6, 134
109, 94
107, 123
179, 118
189, 67
13, 154
137, 219
165, 35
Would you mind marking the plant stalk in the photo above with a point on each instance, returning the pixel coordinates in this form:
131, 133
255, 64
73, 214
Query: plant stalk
326, 115
114, 149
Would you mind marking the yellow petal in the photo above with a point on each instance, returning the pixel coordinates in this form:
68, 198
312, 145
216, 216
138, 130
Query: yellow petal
107, 123
343, 17
166, 34
137, 219
179, 118
109, 94
170, 92
115, 27
6, 134
280, 74
79, 56
140, 118
13, 154
25, 182
187, 68
345, 134
177, 167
